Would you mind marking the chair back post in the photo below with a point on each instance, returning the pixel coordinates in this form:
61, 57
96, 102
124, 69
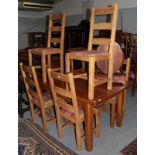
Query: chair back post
68, 89
128, 61
111, 48
28, 72
91, 29
73, 93
51, 28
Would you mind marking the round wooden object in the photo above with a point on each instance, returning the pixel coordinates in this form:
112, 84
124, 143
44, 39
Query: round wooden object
118, 58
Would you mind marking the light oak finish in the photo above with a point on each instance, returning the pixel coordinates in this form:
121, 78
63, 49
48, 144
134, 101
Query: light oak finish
110, 106
49, 51
101, 97
37, 100
64, 95
92, 59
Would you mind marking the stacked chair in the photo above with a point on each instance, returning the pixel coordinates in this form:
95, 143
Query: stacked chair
55, 46
92, 56
121, 71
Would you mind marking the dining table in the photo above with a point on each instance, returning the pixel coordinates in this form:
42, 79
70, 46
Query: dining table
101, 97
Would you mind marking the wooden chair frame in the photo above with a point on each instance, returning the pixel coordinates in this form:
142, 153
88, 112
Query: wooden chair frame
112, 102
64, 97
43, 52
93, 58
35, 96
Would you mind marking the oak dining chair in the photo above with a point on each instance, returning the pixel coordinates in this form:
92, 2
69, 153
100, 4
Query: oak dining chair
40, 101
55, 45
66, 104
121, 70
92, 56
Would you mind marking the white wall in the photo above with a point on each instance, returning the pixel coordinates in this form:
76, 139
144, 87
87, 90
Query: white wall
121, 3
71, 7
30, 21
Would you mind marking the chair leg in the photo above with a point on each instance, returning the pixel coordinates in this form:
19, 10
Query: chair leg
32, 113
98, 122
78, 136
123, 104
59, 126
44, 121
112, 113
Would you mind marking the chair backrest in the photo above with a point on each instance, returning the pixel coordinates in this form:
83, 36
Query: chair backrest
56, 28
63, 91
98, 26
31, 84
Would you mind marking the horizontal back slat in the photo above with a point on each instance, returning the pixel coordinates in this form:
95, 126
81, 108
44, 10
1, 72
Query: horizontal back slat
103, 26
27, 69
30, 82
34, 101
56, 17
57, 40
34, 94
103, 11
56, 29
62, 92
59, 76
62, 103
100, 41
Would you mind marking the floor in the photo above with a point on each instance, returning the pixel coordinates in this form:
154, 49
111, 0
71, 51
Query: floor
111, 140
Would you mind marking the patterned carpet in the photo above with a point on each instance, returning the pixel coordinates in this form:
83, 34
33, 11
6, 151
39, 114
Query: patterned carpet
130, 149
32, 140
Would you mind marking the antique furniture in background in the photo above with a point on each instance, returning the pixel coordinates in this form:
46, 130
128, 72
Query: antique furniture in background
36, 39
64, 97
128, 43
51, 49
91, 56
77, 36
39, 100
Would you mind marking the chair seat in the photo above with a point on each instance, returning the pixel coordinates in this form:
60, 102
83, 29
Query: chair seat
72, 114
47, 96
88, 53
44, 49
119, 79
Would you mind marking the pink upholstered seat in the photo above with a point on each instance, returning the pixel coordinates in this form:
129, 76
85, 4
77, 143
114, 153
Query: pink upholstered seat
44, 49
88, 53
119, 79
72, 114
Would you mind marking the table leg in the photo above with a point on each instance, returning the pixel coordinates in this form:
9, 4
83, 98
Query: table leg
43, 64
89, 117
119, 107
30, 57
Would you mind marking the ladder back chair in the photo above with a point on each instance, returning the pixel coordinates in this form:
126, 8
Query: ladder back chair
121, 71
92, 56
55, 45
40, 101
66, 104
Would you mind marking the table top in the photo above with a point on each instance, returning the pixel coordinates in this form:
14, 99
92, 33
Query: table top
101, 93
